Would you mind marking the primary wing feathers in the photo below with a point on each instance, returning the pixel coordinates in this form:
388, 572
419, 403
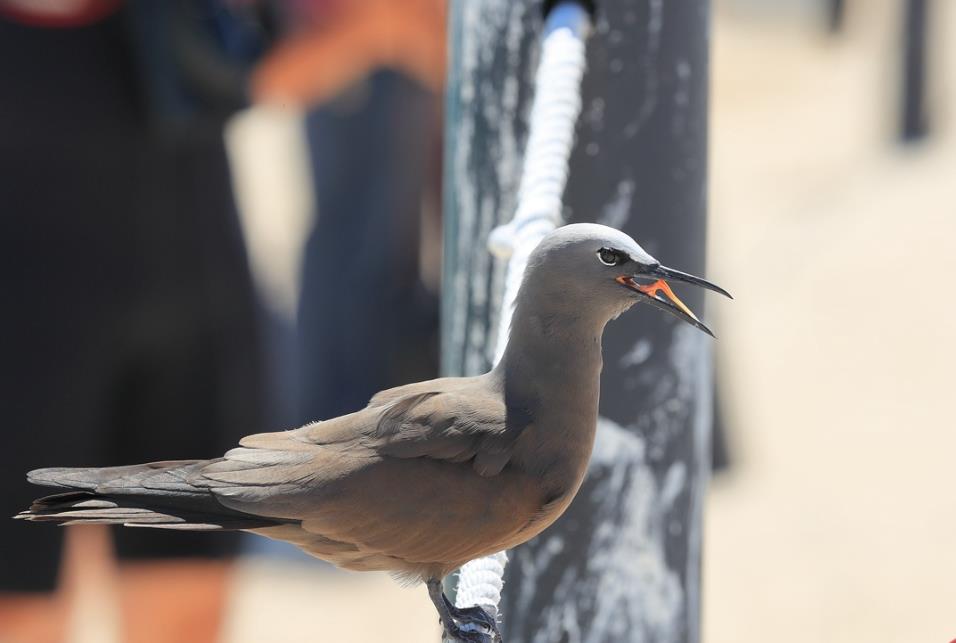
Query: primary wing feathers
158, 494
286, 473
451, 419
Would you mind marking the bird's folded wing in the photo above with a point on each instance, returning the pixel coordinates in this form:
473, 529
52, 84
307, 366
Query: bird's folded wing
456, 426
436, 420
393, 486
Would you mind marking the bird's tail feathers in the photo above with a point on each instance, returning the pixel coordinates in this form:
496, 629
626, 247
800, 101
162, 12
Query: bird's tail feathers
158, 495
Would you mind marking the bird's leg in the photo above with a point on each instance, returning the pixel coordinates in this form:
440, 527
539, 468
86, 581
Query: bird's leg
474, 614
451, 615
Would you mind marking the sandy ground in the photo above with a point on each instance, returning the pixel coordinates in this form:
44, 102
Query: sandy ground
302, 603
838, 520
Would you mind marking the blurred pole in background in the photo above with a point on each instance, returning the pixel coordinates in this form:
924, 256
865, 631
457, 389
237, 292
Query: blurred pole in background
913, 124
836, 15
623, 563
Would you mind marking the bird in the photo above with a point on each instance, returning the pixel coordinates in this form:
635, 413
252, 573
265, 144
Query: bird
428, 475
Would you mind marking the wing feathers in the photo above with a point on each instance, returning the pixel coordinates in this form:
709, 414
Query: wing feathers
455, 426
159, 493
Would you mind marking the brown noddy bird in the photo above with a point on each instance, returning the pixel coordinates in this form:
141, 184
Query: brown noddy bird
429, 475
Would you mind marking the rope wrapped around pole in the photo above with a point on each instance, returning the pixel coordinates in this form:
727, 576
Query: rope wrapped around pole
554, 113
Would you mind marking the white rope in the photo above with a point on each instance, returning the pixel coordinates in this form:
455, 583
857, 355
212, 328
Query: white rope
557, 104
480, 581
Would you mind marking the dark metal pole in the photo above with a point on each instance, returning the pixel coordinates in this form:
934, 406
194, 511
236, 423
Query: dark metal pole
836, 15
623, 563
913, 124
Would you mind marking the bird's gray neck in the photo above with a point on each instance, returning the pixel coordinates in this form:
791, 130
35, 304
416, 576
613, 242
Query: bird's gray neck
551, 372
551, 350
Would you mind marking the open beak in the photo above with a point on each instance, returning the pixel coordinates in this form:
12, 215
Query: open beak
668, 302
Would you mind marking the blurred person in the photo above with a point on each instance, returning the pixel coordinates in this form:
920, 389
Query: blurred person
128, 327
366, 322
370, 71
332, 45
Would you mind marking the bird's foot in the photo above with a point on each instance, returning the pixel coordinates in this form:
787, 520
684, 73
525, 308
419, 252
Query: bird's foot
471, 624
457, 632
467, 624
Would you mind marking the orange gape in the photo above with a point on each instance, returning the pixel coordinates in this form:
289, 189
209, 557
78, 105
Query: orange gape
660, 284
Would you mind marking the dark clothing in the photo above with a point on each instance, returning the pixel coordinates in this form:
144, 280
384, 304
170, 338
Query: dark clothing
127, 330
366, 323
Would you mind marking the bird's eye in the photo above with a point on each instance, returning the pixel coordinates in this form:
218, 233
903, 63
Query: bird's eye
609, 257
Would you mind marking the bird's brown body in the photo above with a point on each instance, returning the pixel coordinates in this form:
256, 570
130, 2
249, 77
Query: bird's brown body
440, 473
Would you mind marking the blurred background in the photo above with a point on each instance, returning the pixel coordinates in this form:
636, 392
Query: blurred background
198, 196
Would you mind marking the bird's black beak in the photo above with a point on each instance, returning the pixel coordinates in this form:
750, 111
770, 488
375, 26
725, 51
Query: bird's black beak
654, 277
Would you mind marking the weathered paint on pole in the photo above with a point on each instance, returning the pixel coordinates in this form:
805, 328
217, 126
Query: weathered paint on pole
623, 563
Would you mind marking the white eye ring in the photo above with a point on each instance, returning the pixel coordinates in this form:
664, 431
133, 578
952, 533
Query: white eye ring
608, 257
